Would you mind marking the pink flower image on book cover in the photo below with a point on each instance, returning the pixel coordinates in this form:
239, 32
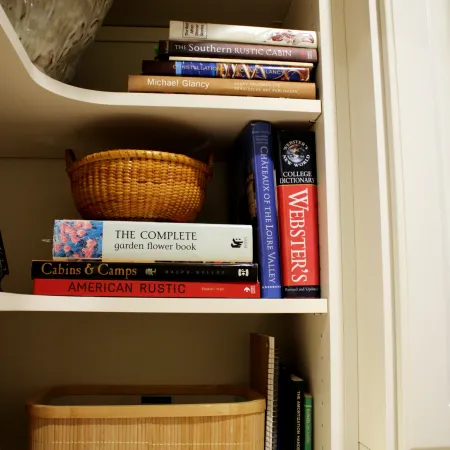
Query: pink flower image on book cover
77, 239
290, 37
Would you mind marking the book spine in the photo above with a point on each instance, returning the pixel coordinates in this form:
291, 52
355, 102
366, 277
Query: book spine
295, 415
230, 50
95, 270
297, 206
4, 270
195, 31
259, 151
225, 70
298, 418
243, 61
121, 288
307, 422
215, 86
151, 241
283, 407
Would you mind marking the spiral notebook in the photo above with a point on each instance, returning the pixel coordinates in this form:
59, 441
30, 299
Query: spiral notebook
264, 379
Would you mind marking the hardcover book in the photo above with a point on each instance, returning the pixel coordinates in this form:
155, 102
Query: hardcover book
151, 241
215, 86
196, 31
243, 61
256, 201
220, 50
298, 218
295, 411
225, 70
96, 270
308, 422
127, 288
4, 270
284, 379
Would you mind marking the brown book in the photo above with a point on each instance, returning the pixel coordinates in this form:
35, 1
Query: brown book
220, 86
231, 50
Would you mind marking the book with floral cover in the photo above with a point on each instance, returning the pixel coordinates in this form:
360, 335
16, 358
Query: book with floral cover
195, 31
151, 241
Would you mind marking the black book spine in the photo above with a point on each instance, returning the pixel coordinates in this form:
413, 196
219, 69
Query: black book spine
166, 68
294, 420
238, 51
98, 270
3, 262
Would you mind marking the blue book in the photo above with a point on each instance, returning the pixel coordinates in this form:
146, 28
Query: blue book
241, 71
258, 203
218, 69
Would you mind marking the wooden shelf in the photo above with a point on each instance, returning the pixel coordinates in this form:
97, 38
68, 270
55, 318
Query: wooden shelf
19, 302
42, 116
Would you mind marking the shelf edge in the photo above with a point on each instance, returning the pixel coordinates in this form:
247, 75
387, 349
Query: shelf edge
35, 303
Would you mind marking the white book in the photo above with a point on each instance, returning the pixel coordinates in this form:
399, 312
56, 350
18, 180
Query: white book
243, 61
151, 241
194, 31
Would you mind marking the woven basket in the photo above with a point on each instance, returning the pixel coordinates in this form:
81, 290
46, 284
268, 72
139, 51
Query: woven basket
138, 185
221, 426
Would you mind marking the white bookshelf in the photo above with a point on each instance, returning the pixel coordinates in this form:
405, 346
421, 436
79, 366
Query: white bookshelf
67, 340
43, 303
57, 116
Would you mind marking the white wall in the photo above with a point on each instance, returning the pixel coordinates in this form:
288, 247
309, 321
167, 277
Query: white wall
417, 49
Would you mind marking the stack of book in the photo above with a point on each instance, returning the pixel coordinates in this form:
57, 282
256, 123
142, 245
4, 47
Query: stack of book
289, 405
274, 183
203, 58
295, 411
148, 259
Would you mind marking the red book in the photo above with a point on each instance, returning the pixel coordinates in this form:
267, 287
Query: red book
297, 214
126, 288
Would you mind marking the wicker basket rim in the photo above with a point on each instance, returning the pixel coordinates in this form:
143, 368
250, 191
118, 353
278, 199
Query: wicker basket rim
116, 154
38, 408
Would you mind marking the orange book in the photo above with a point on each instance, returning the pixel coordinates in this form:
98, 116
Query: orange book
220, 86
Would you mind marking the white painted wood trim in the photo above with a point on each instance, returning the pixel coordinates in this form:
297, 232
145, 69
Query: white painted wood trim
334, 242
419, 139
385, 225
20, 302
371, 246
347, 220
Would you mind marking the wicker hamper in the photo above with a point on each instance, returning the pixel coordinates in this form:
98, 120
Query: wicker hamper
138, 185
98, 418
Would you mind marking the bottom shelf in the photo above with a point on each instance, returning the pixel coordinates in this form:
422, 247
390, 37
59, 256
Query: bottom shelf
20, 302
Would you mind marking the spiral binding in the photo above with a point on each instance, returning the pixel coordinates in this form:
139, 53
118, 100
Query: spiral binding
272, 398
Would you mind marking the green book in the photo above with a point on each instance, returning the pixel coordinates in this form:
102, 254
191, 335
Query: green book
308, 422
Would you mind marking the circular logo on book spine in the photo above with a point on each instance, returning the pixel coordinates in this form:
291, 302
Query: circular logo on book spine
296, 153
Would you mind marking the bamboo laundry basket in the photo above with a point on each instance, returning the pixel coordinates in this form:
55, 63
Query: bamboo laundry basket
138, 185
58, 424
